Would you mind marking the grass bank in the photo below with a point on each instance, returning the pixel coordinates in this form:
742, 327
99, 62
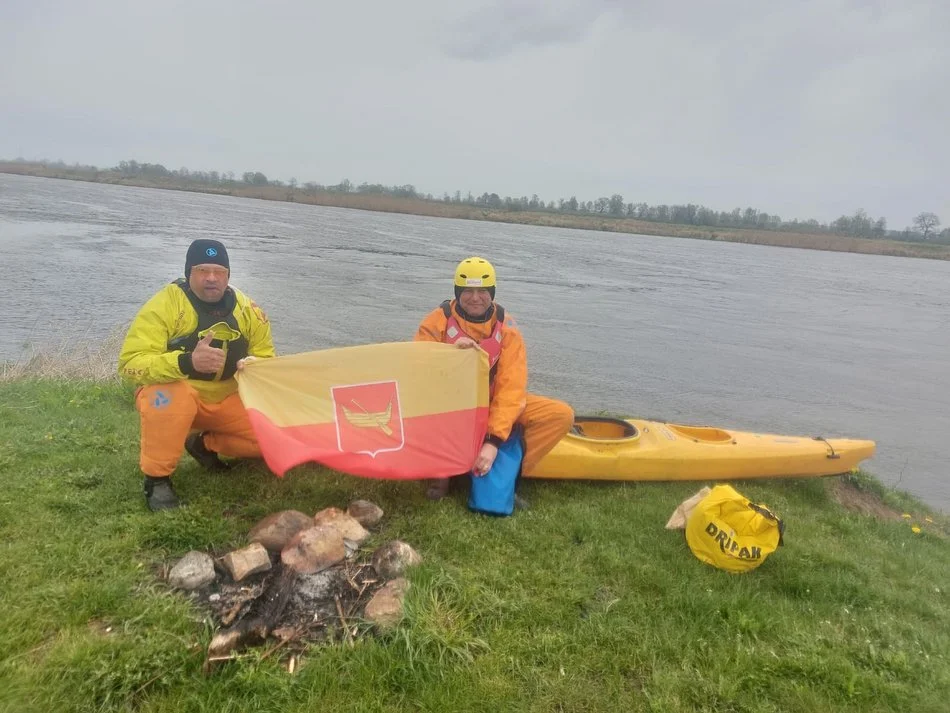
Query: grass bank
584, 602
440, 209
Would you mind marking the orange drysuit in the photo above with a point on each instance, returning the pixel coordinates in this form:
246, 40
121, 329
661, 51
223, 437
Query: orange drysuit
545, 421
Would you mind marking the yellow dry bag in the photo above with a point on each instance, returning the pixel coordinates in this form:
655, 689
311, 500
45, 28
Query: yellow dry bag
728, 531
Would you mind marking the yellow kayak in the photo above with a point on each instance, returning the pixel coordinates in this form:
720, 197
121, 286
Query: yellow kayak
615, 449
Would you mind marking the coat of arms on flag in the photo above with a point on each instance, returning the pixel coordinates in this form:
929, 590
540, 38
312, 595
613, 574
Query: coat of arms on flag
368, 418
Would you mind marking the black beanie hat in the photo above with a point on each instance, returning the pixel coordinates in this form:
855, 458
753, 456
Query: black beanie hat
205, 252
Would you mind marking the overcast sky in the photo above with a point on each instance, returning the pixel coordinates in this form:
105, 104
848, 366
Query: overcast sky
805, 108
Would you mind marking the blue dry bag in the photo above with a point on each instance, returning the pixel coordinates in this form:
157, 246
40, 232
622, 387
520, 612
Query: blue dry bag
494, 492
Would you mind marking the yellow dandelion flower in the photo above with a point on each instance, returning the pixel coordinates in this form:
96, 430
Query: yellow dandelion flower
906, 516
915, 530
929, 519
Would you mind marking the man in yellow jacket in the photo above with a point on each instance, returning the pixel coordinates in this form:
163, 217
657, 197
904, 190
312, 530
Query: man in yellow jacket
473, 319
183, 350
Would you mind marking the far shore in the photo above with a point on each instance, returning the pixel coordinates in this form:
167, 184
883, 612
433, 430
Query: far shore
550, 219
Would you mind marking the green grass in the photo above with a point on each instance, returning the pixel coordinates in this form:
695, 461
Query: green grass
584, 602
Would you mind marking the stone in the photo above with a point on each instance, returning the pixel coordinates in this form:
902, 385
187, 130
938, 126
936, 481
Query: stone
314, 549
392, 559
385, 609
247, 561
347, 526
276, 530
193, 571
365, 513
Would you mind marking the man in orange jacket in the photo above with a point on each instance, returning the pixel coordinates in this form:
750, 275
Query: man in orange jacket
473, 319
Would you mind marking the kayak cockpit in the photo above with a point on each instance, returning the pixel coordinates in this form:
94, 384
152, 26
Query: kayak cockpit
601, 428
701, 433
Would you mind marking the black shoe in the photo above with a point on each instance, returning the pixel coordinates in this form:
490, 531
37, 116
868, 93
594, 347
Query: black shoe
195, 445
159, 494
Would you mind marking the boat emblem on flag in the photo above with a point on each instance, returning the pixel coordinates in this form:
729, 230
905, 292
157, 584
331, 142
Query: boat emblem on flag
368, 418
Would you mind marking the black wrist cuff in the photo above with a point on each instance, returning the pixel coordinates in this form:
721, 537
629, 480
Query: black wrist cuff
494, 440
185, 364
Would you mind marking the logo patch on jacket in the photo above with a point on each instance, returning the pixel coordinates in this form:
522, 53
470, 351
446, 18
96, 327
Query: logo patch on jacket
259, 313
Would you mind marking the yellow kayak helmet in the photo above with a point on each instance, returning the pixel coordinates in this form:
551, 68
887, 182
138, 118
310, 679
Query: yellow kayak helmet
475, 272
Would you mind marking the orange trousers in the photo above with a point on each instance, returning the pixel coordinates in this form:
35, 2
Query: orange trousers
170, 411
545, 422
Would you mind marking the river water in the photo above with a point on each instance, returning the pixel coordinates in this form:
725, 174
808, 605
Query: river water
741, 336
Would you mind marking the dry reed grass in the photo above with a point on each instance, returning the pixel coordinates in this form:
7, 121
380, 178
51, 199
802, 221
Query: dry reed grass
82, 357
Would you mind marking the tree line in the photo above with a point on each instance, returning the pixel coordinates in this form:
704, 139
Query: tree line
925, 226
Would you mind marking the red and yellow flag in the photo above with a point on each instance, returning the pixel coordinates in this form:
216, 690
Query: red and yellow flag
403, 410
